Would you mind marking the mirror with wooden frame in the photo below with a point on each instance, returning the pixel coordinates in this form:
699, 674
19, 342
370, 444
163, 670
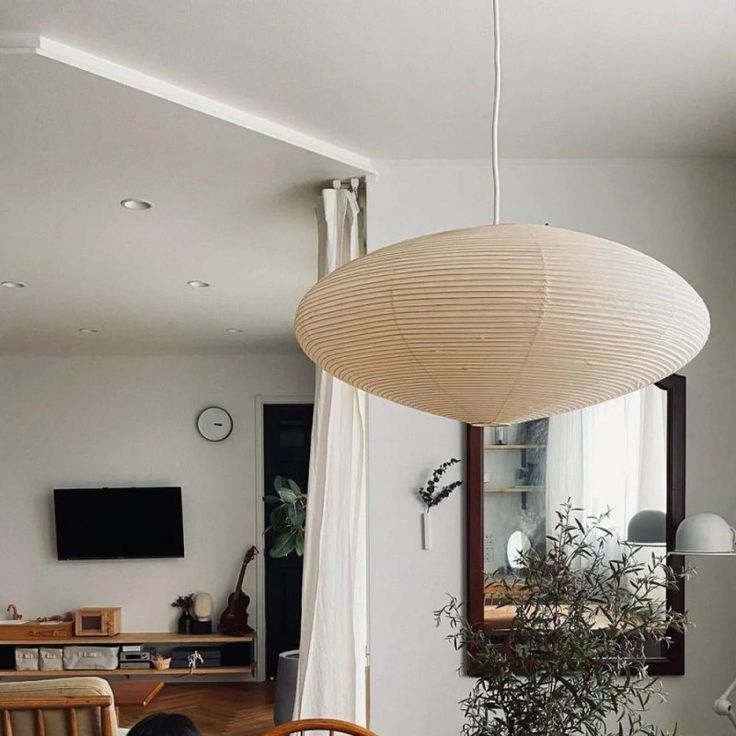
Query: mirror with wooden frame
626, 455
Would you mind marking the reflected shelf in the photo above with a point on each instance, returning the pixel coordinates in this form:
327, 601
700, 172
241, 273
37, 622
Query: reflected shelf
487, 488
515, 447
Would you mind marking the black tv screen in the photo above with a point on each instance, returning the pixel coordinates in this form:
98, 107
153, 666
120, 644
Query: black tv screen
118, 523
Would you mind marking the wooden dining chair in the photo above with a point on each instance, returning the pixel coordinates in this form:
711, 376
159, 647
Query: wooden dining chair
331, 725
56, 716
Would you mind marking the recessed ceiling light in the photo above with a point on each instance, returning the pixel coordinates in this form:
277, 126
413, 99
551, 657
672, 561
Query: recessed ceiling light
233, 330
13, 284
87, 331
198, 284
136, 204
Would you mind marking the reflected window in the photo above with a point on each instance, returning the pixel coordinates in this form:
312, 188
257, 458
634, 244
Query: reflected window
609, 457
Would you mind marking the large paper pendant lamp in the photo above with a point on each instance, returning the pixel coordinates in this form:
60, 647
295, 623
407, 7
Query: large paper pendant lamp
502, 323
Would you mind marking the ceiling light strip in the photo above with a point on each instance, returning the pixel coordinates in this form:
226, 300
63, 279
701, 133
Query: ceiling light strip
100, 67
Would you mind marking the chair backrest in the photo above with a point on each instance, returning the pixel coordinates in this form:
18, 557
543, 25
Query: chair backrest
331, 725
73, 715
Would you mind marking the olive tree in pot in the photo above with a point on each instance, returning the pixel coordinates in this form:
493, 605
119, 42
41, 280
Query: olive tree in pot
573, 661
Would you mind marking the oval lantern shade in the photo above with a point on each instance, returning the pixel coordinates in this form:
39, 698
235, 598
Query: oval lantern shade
502, 323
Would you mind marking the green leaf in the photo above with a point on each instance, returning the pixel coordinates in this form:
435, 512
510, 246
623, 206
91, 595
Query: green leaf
283, 544
294, 487
299, 543
272, 499
279, 517
294, 515
287, 496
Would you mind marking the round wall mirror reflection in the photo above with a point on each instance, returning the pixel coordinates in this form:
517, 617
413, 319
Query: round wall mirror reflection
518, 544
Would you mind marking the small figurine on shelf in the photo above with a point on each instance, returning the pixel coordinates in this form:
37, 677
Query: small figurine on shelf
193, 660
186, 619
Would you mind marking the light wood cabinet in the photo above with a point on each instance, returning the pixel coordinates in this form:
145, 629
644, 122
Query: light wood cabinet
103, 621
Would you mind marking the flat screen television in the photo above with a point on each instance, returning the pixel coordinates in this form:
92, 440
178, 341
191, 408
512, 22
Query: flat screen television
118, 523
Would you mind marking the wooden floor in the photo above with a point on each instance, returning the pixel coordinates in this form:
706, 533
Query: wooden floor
218, 709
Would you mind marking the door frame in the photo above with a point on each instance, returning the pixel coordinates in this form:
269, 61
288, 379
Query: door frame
260, 402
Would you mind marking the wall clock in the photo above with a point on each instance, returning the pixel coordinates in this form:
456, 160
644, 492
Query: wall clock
214, 424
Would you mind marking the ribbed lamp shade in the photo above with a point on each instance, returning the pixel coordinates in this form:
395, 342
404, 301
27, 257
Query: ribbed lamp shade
502, 323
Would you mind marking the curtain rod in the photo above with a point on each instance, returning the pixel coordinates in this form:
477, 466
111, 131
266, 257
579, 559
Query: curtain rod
353, 184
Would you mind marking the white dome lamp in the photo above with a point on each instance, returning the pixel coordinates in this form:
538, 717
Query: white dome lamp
705, 534
709, 534
648, 528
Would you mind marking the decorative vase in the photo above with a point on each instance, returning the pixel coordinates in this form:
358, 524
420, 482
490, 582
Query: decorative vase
286, 676
185, 622
501, 435
426, 531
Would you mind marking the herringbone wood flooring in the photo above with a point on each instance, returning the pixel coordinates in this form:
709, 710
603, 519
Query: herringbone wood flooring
218, 709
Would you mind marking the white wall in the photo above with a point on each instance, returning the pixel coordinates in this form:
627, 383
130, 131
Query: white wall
131, 421
681, 212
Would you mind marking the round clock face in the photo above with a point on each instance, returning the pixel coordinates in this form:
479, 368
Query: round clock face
214, 424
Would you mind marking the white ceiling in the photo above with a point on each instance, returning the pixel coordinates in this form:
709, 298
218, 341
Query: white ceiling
384, 79
230, 207
411, 79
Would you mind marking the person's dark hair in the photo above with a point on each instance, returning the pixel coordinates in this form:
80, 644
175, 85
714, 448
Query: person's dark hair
165, 724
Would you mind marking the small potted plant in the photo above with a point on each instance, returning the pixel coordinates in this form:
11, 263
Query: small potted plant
161, 661
288, 518
186, 620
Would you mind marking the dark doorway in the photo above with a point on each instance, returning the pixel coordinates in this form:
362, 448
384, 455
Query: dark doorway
287, 432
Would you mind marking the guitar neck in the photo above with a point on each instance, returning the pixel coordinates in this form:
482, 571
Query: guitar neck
239, 585
248, 557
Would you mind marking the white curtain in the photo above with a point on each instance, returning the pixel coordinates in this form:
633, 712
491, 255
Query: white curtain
610, 456
334, 632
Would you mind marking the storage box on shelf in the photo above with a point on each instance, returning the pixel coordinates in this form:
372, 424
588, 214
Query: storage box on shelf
236, 654
51, 659
104, 621
32, 630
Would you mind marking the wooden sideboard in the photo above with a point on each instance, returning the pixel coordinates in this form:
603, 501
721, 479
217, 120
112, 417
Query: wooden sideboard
163, 641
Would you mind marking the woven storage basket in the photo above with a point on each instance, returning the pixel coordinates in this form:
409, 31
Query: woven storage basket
90, 658
51, 658
26, 658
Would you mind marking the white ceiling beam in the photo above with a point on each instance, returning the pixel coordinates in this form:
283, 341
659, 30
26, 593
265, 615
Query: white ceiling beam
72, 56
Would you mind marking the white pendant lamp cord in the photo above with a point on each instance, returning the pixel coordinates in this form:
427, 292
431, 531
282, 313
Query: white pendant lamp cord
496, 105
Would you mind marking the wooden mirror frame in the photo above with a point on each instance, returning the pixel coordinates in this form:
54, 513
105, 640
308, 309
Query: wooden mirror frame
673, 663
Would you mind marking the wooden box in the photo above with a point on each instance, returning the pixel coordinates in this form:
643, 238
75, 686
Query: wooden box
36, 630
103, 621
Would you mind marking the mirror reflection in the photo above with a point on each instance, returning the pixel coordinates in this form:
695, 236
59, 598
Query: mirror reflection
609, 457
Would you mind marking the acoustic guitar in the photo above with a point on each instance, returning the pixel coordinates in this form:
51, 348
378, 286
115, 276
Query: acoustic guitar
234, 620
